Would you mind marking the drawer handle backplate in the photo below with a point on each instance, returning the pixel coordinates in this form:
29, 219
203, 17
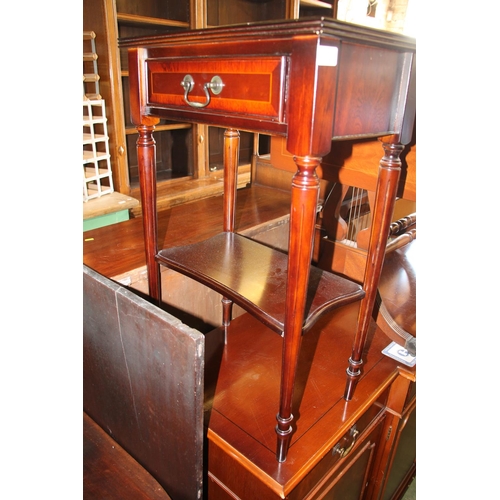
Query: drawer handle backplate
215, 86
343, 452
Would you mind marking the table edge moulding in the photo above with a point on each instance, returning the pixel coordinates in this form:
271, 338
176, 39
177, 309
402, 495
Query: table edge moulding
312, 81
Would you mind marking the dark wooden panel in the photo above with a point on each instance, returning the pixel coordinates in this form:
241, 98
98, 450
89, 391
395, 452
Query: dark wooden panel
404, 458
369, 108
178, 11
144, 383
221, 12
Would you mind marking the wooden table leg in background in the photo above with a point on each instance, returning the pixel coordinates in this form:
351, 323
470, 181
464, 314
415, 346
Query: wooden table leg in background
146, 155
385, 196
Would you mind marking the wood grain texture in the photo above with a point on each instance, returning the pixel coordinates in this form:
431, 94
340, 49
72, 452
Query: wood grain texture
254, 276
143, 373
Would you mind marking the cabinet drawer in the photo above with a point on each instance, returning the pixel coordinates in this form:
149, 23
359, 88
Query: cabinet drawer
250, 85
349, 445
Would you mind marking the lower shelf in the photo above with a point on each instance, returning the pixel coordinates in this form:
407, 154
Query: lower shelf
254, 276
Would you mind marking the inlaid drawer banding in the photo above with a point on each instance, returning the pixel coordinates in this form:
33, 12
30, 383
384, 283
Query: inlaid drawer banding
219, 86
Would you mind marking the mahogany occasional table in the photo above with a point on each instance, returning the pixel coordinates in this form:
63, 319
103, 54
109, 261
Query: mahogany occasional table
313, 81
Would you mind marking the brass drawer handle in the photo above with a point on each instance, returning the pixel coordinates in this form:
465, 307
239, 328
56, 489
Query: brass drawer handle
343, 452
215, 85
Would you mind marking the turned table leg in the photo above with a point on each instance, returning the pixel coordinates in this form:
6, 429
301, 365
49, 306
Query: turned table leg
385, 196
304, 201
146, 157
231, 157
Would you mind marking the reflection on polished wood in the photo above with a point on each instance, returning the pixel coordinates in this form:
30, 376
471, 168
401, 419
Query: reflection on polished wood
254, 276
398, 286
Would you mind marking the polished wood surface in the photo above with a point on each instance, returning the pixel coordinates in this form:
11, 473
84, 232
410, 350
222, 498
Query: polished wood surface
385, 197
241, 436
253, 276
110, 473
398, 286
325, 80
354, 163
248, 372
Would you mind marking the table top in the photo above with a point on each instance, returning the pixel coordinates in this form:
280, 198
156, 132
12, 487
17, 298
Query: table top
318, 25
311, 80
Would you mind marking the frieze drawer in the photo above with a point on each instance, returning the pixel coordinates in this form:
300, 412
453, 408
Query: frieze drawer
250, 85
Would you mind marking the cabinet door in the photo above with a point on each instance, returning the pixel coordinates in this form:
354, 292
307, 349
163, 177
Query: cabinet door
348, 480
395, 463
402, 469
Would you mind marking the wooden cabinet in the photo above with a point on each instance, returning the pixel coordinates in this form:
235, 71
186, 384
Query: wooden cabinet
396, 462
362, 449
348, 480
241, 380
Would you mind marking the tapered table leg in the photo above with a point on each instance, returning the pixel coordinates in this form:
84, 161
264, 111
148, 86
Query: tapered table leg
385, 196
231, 160
304, 201
146, 157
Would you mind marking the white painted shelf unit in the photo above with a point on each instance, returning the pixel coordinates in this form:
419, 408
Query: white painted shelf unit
97, 176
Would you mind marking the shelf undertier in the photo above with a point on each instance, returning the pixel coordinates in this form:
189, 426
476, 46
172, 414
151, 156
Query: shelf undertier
254, 276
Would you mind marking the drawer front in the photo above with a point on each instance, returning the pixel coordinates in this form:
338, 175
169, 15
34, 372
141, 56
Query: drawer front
250, 85
340, 454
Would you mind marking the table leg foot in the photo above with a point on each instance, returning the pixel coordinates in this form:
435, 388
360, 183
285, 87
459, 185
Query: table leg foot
284, 432
353, 373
